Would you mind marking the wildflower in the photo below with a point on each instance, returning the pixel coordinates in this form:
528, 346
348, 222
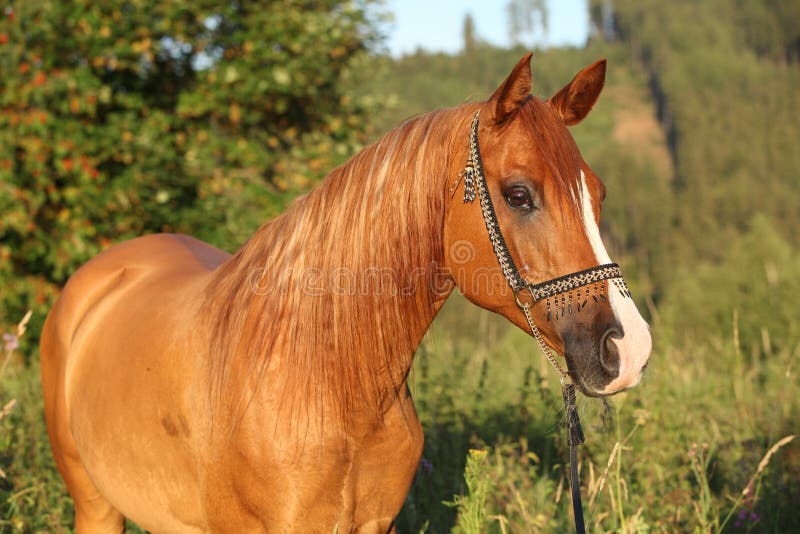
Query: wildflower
426, 465
10, 341
641, 416
740, 517
746, 516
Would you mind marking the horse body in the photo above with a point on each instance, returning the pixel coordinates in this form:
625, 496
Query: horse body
194, 391
145, 442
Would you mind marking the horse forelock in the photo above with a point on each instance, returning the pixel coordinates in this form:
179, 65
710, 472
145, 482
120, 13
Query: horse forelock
337, 290
559, 152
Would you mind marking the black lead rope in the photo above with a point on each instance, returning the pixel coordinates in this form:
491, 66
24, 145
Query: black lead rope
575, 438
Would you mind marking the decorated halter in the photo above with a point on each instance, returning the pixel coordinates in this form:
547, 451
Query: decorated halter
565, 294
562, 295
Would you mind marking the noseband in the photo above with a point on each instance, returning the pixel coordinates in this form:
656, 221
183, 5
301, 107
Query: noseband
569, 292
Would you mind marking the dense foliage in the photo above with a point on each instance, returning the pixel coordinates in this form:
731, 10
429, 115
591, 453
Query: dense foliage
123, 118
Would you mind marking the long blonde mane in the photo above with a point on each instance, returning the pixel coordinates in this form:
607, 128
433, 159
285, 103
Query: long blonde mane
336, 285
340, 286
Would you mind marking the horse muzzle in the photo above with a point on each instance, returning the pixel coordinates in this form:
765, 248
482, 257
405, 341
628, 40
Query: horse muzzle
611, 362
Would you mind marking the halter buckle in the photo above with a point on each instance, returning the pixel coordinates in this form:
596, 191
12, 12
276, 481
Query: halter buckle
524, 303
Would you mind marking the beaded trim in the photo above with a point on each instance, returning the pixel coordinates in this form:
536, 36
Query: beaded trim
562, 284
473, 167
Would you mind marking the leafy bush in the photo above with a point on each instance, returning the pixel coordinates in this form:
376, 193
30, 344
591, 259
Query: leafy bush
119, 119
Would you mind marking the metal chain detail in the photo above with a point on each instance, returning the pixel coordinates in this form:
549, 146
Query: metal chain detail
537, 335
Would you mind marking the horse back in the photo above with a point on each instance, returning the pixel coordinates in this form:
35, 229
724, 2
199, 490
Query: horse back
123, 266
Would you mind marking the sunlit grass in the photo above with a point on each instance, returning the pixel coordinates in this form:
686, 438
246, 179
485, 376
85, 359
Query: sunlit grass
701, 445
672, 455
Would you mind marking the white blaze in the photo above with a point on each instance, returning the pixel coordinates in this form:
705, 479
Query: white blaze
636, 343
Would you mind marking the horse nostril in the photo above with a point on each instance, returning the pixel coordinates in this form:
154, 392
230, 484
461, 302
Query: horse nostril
609, 353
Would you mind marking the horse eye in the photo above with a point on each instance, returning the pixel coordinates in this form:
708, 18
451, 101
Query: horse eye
519, 198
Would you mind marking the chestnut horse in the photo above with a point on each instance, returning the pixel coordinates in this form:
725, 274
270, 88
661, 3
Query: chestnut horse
194, 391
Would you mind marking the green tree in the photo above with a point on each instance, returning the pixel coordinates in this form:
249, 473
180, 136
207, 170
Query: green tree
526, 18
468, 34
123, 118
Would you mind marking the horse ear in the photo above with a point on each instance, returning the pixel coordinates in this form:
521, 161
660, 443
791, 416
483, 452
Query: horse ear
512, 92
575, 100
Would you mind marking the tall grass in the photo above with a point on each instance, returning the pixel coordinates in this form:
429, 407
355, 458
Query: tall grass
32, 495
702, 445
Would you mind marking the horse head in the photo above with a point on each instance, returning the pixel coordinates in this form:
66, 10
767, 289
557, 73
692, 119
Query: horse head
546, 203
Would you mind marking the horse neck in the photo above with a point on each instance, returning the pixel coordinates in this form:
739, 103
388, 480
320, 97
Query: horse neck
343, 286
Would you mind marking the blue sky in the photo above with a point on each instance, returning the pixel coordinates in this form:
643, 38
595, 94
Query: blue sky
436, 24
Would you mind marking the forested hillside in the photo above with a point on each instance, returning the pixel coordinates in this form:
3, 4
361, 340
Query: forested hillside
724, 76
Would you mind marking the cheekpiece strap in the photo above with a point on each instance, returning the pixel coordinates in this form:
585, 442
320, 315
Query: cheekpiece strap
475, 180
